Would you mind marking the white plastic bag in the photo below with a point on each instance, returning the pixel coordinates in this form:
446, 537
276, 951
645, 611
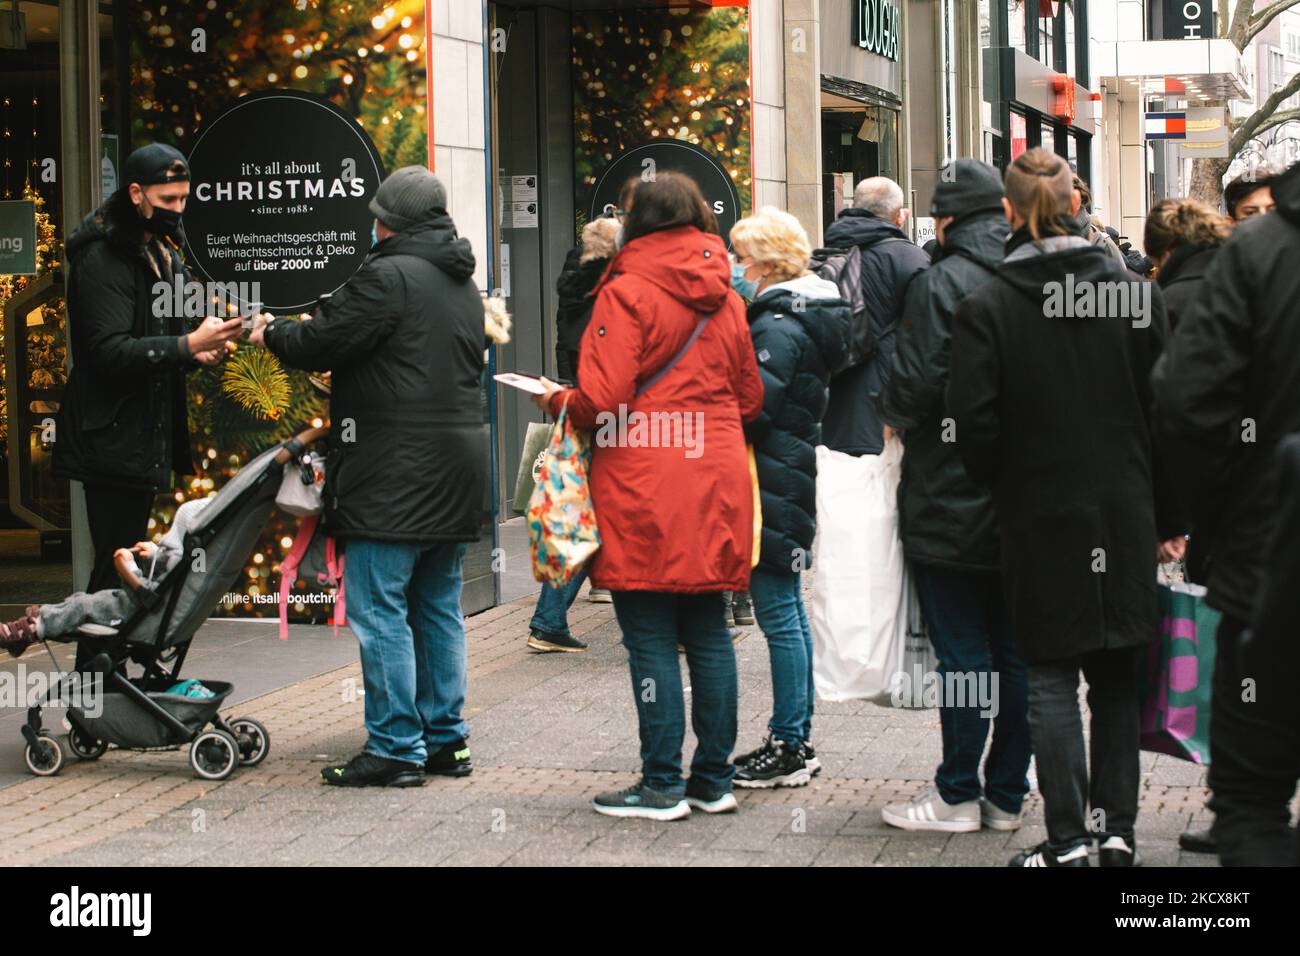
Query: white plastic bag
302, 487
860, 609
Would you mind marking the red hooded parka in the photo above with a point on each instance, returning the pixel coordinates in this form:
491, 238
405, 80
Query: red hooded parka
677, 517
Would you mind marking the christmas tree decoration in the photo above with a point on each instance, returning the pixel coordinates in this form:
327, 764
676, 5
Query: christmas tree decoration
255, 379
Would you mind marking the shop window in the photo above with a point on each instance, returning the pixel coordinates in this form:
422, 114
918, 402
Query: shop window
1016, 24
856, 144
1047, 138
1019, 135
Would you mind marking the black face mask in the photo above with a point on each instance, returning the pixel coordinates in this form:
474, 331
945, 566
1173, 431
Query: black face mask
165, 223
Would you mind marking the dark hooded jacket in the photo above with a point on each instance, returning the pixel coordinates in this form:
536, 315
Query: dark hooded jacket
404, 340
800, 330
583, 267
889, 262
1181, 276
122, 420
1051, 402
945, 518
1229, 390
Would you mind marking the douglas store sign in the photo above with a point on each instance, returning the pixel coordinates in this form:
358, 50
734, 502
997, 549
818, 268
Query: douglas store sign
876, 27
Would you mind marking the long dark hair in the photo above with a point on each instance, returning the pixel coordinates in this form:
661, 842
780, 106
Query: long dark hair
667, 201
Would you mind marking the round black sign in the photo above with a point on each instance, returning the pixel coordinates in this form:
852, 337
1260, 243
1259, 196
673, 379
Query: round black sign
680, 157
279, 188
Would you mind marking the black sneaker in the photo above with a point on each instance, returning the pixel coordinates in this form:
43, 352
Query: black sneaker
641, 801
742, 609
1198, 841
541, 641
747, 757
701, 797
450, 760
777, 766
1118, 851
370, 770
810, 758
1043, 855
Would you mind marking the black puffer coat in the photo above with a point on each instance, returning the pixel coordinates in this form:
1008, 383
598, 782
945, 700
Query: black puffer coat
889, 261
404, 339
122, 421
800, 332
1227, 393
945, 518
1052, 410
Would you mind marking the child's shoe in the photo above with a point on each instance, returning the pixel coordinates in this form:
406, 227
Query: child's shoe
17, 636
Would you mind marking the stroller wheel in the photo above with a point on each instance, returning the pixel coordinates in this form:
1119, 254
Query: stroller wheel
45, 757
214, 755
254, 741
84, 746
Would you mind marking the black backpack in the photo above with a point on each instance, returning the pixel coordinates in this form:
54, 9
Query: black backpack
843, 266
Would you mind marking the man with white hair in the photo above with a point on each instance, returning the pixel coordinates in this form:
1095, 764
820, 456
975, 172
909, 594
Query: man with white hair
889, 261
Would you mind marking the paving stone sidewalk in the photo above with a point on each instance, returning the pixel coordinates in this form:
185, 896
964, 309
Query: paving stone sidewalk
549, 732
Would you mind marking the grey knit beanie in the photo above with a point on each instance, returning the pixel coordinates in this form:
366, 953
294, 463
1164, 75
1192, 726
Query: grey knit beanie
406, 195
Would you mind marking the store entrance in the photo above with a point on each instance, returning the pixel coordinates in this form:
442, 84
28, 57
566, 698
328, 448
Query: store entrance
859, 140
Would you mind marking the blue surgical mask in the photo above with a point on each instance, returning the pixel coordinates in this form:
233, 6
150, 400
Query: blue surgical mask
746, 287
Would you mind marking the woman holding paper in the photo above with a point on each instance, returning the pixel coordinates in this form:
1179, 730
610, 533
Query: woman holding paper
667, 378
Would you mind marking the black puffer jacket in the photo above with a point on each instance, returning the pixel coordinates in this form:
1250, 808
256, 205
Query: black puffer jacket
1180, 278
800, 332
945, 518
889, 261
404, 339
1227, 392
122, 421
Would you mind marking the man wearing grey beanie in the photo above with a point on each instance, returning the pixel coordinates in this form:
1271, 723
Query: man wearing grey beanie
406, 472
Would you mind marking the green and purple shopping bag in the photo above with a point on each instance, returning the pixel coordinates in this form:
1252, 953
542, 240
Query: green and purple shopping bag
1177, 675
561, 521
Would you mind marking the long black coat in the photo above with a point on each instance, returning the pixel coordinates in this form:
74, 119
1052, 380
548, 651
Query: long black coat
404, 339
1052, 412
889, 261
122, 420
945, 518
1230, 389
800, 332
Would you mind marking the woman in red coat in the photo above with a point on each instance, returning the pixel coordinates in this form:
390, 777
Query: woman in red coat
667, 379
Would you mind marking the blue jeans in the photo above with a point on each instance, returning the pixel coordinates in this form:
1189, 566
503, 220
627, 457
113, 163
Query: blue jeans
403, 603
966, 617
653, 625
552, 614
778, 607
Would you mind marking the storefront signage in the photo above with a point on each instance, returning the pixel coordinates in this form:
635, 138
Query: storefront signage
663, 155
1208, 133
280, 184
1187, 20
876, 27
18, 238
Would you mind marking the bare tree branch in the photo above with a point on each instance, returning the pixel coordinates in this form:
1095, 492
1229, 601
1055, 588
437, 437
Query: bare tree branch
1266, 109
1240, 23
1258, 22
1278, 119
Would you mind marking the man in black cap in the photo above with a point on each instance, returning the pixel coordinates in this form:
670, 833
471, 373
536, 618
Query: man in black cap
404, 481
948, 526
122, 428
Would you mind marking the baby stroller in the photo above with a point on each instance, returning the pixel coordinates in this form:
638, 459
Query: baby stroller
136, 712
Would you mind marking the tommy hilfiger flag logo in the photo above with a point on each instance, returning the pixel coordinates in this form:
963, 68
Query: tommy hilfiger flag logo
1166, 125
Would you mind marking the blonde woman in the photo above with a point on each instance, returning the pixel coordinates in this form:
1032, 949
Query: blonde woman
799, 326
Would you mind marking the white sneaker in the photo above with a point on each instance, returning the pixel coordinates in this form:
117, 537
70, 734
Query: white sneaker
723, 804
927, 811
996, 818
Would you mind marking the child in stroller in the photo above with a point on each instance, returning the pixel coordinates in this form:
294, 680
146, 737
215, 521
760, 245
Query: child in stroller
150, 622
111, 606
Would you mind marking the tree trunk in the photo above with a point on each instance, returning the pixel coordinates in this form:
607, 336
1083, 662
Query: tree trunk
1207, 180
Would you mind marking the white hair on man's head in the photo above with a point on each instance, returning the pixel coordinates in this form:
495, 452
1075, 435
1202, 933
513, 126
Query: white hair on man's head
880, 196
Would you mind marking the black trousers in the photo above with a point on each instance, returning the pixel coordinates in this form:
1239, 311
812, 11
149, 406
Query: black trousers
1254, 753
1068, 785
118, 518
